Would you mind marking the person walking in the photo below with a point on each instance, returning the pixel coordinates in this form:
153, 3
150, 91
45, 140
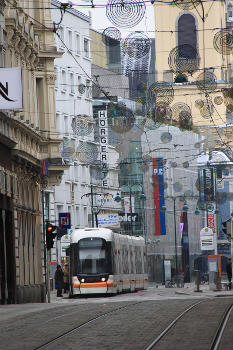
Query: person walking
59, 282
66, 278
229, 272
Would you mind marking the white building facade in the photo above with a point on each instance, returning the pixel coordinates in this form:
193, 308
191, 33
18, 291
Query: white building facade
79, 191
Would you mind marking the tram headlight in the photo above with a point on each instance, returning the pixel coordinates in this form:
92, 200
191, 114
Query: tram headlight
103, 279
82, 280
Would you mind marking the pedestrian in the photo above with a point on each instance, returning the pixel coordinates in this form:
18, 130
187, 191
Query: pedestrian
59, 280
229, 272
66, 278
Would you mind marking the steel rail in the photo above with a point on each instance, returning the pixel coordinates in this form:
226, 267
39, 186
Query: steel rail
221, 328
84, 324
149, 347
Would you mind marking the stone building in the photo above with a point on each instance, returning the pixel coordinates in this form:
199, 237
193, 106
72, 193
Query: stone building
191, 100
28, 136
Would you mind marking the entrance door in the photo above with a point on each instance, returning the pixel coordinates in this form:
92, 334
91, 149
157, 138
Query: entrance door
7, 261
3, 269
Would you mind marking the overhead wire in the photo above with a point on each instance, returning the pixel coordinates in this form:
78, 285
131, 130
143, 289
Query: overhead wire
73, 56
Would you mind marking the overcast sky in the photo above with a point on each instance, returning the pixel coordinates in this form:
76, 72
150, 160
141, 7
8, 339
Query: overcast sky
101, 22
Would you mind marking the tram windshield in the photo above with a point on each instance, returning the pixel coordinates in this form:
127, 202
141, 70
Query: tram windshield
93, 256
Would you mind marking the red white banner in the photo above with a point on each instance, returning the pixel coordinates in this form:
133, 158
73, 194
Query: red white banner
212, 220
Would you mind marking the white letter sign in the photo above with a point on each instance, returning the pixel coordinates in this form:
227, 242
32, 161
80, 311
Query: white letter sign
11, 96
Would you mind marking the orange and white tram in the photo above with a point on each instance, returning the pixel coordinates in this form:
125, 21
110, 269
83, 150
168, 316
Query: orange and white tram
102, 261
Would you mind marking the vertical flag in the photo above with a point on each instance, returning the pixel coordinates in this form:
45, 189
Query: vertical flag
160, 224
45, 167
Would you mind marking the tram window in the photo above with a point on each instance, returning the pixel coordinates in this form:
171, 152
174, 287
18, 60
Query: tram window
125, 262
92, 256
138, 260
114, 258
132, 260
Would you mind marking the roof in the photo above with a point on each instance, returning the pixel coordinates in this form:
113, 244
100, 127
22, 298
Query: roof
72, 11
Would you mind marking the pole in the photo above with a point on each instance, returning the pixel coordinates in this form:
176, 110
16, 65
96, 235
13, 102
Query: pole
143, 220
131, 214
48, 277
92, 204
45, 250
231, 237
174, 212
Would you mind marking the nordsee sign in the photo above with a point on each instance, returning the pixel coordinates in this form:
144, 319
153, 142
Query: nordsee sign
11, 96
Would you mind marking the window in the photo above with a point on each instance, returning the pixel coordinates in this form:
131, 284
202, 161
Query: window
56, 74
83, 174
187, 33
88, 88
77, 42
63, 77
62, 35
85, 216
79, 81
76, 172
66, 127
77, 217
86, 48
72, 83
70, 39
58, 121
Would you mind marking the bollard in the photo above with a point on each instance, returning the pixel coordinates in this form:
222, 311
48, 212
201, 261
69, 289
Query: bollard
197, 281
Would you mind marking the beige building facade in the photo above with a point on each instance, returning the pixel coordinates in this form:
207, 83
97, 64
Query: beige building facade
28, 136
193, 55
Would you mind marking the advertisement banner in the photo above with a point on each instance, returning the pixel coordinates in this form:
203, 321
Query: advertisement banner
127, 204
105, 220
11, 92
158, 183
207, 185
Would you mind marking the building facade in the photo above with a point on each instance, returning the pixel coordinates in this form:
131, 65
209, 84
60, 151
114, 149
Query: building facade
28, 136
188, 116
82, 190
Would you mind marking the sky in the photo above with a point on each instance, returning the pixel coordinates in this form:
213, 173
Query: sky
101, 22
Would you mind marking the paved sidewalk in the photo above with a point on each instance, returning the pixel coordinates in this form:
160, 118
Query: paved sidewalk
154, 292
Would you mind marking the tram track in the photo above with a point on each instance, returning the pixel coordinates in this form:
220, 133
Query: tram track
216, 339
138, 325
220, 331
166, 330
94, 319
41, 347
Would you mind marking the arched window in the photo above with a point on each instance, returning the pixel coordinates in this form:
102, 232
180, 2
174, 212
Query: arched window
187, 33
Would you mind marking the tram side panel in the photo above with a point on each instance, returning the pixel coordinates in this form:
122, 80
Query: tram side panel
132, 265
125, 263
145, 268
113, 278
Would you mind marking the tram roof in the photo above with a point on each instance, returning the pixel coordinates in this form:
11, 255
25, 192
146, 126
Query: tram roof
105, 233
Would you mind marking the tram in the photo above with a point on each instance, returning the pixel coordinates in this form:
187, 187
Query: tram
105, 262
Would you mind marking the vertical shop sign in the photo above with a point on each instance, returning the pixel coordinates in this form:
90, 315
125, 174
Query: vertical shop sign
103, 133
158, 177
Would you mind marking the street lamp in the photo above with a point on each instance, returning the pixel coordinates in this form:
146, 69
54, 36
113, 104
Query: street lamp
142, 198
94, 212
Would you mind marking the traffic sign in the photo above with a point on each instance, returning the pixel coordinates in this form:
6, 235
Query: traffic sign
64, 220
